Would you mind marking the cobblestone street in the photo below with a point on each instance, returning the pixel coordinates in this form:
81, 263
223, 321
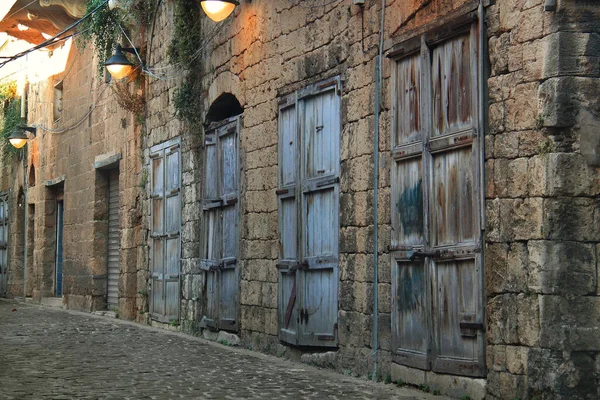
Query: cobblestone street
51, 353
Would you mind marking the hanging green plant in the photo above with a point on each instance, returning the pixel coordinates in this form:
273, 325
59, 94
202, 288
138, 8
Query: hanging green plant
183, 51
103, 28
10, 117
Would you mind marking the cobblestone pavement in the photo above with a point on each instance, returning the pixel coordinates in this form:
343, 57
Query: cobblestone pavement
48, 353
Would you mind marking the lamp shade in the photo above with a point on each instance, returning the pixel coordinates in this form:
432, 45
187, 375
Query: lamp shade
118, 65
218, 10
17, 138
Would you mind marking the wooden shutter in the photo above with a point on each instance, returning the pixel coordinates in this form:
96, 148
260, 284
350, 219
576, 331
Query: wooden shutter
3, 245
320, 134
309, 164
220, 214
287, 291
165, 230
411, 338
172, 228
436, 259
455, 235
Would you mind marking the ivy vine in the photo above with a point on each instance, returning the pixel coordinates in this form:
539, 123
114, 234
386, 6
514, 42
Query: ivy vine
186, 41
10, 117
103, 28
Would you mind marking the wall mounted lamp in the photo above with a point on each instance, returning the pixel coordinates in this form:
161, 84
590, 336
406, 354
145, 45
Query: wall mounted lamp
18, 138
218, 10
118, 65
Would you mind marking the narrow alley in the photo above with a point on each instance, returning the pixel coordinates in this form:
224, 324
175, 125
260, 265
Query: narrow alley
59, 354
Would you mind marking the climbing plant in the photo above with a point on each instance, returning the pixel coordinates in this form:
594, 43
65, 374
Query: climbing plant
103, 27
183, 51
10, 117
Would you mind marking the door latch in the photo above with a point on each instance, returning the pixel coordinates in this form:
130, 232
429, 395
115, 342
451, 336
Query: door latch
413, 255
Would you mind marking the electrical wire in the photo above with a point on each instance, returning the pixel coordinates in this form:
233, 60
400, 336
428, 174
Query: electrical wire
86, 115
56, 38
154, 71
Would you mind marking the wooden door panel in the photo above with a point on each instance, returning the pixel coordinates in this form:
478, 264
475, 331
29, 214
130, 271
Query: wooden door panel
318, 315
287, 146
288, 227
158, 301
228, 153
287, 305
228, 296
411, 325
408, 215
454, 209
211, 183
321, 135
457, 302
321, 228
452, 85
408, 110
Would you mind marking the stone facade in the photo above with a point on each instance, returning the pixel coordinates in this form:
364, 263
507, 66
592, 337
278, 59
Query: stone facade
89, 126
541, 234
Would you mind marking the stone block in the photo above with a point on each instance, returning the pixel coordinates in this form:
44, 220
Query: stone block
506, 145
572, 218
408, 375
521, 219
251, 293
562, 268
562, 374
516, 359
569, 175
229, 338
572, 53
530, 26
504, 385
354, 329
321, 360
570, 323
498, 50
457, 387
506, 267
513, 319
522, 107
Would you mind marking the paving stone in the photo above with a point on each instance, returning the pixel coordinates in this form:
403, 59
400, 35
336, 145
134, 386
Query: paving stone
61, 354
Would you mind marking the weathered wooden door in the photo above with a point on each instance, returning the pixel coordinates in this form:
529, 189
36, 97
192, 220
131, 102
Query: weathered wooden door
437, 264
309, 165
220, 236
3, 244
114, 241
165, 232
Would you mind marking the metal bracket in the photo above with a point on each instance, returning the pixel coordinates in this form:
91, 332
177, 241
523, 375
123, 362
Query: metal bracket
550, 5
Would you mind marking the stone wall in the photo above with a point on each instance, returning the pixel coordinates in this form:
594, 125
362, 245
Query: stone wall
542, 200
60, 162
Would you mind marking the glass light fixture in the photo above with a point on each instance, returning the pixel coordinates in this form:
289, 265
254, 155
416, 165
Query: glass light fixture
218, 10
118, 65
18, 138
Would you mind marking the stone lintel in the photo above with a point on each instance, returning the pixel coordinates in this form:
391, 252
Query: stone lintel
55, 181
107, 161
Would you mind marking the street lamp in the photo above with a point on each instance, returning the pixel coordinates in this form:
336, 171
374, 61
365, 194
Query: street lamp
18, 138
218, 10
118, 65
